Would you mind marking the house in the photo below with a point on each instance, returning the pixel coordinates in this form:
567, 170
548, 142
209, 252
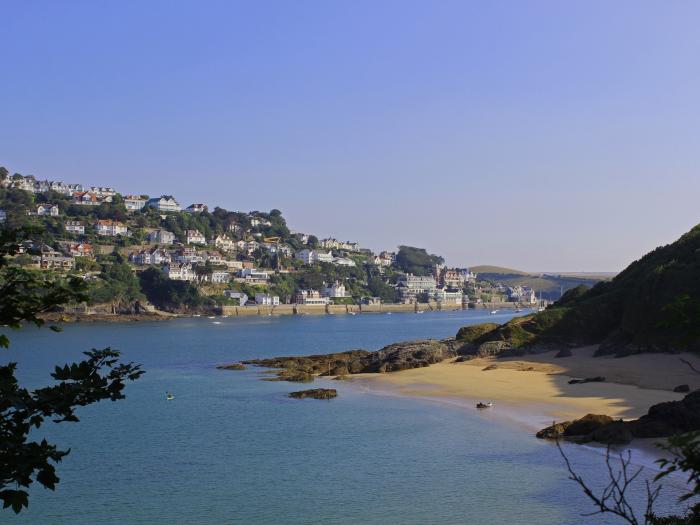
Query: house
218, 277
372, 300
153, 256
164, 203
196, 208
258, 221
411, 286
86, 198
179, 272
110, 228
242, 298
310, 297
134, 202
161, 237
78, 249
213, 258
47, 210
334, 244
313, 256
385, 259
189, 255
343, 261
195, 237
255, 276
76, 227
337, 289
521, 294
105, 193
234, 265
53, 260
267, 299
448, 296
225, 243
248, 247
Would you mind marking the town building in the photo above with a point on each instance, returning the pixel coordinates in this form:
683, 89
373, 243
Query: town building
86, 198
411, 286
196, 208
242, 297
337, 289
195, 237
448, 296
254, 276
53, 260
225, 243
134, 202
77, 249
110, 228
152, 256
179, 272
104, 193
313, 256
161, 237
47, 210
219, 277
265, 299
75, 227
164, 203
310, 297
344, 261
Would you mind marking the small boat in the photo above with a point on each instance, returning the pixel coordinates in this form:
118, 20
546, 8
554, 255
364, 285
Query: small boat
388, 313
352, 313
494, 312
420, 312
169, 396
518, 310
484, 405
212, 317
216, 322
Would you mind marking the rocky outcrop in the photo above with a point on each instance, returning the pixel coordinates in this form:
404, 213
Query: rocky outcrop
597, 379
392, 358
232, 366
682, 389
662, 420
315, 393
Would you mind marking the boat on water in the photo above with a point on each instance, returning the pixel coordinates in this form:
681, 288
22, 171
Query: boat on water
518, 310
494, 312
216, 322
352, 313
169, 396
212, 317
420, 311
484, 405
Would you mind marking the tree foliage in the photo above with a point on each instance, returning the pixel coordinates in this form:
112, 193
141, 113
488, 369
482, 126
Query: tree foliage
24, 296
416, 260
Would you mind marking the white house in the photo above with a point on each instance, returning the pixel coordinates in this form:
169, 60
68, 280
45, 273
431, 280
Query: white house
103, 192
255, 276
259, 221
313, 256
337, 289
47, 209
110, 228
189, 255
242, 298
152, 256
75, 227
196, 208
446, 296
87, 198
410, 286
225, 243
164, 203
343, 261
161, 237
134, 202
267, 299
219, 277
310, 297
179, 272
195, 237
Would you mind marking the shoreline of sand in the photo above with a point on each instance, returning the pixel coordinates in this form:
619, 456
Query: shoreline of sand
534, 390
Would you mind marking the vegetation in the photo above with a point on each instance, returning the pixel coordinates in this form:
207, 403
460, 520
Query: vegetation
416, 260
25, 295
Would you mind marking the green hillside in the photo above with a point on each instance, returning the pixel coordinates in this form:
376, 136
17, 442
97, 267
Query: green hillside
653, 305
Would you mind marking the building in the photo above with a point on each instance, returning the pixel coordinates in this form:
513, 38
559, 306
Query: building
161, 237
195, 237
242, 298
343, 261
256, 221
313, 256
134, 202
163, 203
78, 249
411, 286
337, 289
334, 244
266, 299
521, 294
76, 227
53, 260
104, 193
179, 272
255, 276
310, 297
111, 228
196, 208
219, 277
47, 210
86, 198
189, 255
448, 296
153, 256
234, 265
225, 243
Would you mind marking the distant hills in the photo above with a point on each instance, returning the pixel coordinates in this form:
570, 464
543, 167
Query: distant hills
653, 305
549, 285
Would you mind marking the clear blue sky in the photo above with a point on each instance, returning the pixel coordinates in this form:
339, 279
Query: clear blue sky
542, 135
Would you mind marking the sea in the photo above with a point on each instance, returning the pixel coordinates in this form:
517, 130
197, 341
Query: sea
232, 448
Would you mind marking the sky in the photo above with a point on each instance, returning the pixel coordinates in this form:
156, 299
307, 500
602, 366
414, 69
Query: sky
538, 135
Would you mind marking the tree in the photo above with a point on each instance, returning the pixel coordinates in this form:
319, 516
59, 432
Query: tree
416, 260
25, 295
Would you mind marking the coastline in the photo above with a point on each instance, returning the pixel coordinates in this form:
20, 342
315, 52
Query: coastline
535, 391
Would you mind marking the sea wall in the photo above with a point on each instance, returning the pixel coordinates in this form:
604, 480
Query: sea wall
334, 309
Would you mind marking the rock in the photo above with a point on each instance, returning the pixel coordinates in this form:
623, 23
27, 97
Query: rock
587, 424
598, 379
490, 367
615, 433
469, 334
564, 352
682, 388
554, 431
315, 393
492, 348
232, 366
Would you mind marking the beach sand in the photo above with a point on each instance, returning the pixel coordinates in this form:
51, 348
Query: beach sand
534, 390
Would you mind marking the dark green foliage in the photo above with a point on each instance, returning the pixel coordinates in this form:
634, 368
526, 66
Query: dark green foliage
171, 295
416, 260
25, 295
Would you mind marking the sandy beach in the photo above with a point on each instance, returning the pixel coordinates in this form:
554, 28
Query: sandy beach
535, 390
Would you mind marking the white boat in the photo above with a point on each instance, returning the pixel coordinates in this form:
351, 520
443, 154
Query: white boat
212, 317
352, 313
494, 312
420, 311
169, 396
216, 322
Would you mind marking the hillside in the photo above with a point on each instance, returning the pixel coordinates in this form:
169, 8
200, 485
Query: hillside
548, 286
653, 305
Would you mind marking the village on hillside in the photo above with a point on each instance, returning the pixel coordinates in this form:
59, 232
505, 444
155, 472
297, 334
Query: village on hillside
184, 258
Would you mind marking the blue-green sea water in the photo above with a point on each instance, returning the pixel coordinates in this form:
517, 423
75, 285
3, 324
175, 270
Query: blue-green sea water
234, 449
